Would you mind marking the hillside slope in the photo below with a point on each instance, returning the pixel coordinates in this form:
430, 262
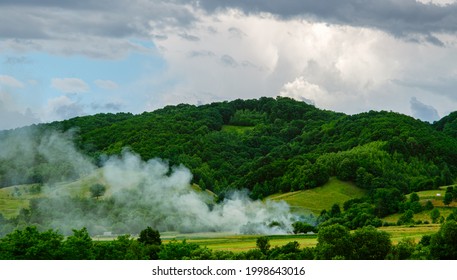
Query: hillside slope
266, 146
321, 198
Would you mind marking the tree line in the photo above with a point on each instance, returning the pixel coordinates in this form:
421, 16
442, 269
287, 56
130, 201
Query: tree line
335, 242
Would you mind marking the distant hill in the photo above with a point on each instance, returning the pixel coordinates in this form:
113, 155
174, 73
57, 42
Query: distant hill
447, 125
267, 146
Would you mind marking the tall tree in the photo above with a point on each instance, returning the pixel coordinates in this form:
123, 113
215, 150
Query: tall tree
370, 244
150, 236
448, 198
263, 244
334, 242
97, 190
78, 246
443, 244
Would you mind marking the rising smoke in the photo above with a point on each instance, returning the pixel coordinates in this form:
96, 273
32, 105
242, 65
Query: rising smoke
139, 194
168, 193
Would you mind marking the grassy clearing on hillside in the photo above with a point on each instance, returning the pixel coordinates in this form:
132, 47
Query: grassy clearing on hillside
236, 129
15, 198
79, 188
320, 198
422, 216
436, 197
430, 194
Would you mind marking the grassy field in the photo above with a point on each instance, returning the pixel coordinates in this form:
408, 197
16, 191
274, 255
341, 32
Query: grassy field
397, 233
239, 243
320, 198
12, 199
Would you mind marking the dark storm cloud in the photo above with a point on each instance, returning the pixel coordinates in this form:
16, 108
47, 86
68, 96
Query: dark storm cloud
28, 19
68, 4
99, 29
51, 19
399, 17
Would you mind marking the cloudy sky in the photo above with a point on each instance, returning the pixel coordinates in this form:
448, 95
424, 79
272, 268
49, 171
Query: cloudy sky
64, 58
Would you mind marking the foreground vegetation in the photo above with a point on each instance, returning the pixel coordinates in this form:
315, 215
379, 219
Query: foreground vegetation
333, 242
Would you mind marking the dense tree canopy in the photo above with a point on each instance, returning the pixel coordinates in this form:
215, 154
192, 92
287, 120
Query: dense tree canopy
266, 145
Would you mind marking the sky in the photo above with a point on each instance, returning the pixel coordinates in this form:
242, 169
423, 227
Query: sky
62, 58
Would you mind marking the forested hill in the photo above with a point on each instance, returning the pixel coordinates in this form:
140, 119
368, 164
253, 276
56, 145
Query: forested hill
266, 145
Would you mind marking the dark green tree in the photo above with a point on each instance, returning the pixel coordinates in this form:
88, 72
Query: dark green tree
404, 249
413, 197
370, 244
435, 215
443, 244
79, 246
428, 205
150, 236
387, 201
447, 199
335, 211
175, 250
97, 190
406, 218
454, 192
30, 244
263, 244
334, 242
302, 227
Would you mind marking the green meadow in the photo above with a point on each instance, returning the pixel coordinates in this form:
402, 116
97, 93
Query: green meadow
320, 198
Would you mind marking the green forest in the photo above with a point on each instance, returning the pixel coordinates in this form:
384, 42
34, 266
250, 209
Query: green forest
263, 147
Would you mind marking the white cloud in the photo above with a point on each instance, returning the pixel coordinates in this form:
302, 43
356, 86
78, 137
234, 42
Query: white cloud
302, 90
437, 2
106, 84
70, 85
352, 65
9, 81
342, 68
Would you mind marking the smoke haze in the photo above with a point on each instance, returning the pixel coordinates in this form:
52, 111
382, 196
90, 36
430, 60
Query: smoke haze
138, 194
167, 192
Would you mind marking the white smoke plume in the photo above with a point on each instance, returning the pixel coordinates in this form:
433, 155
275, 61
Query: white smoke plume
138, 193
168, 193
45, 156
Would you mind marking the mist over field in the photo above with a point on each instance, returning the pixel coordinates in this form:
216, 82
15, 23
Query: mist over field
139, 193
